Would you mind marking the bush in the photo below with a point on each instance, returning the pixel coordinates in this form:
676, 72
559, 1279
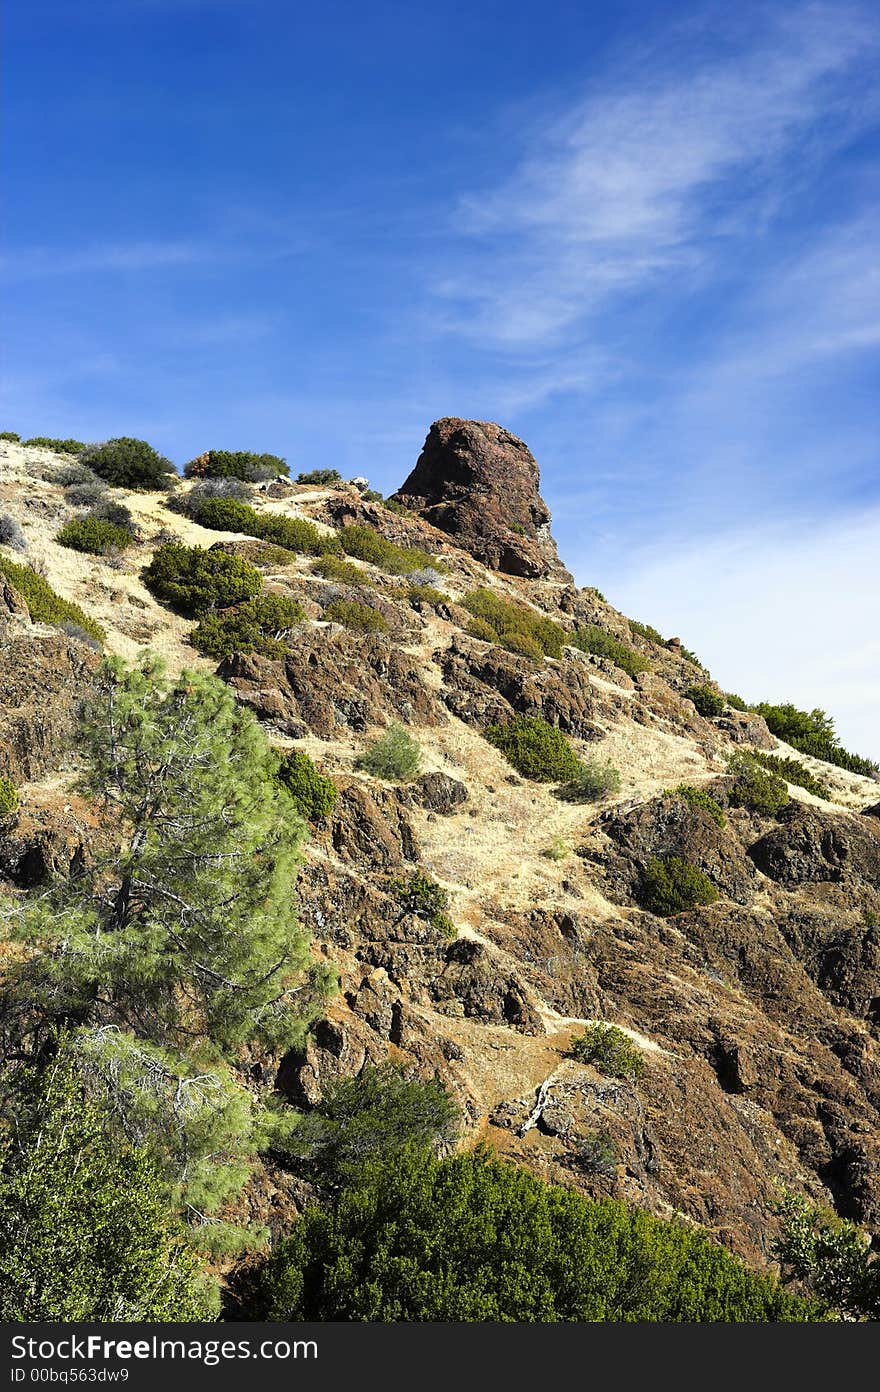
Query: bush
195, 581
428, 576
128, 463
513, 626
366, 544
191, 501
260, 625
395, 756
707, 700
754, 787
240, 464
371, 1118
592, 639
692, 658
645, 631
673, 885
557, 850
344, 572
11, 435
698, 797
609, 1050
792, 771
592, 782
734, 701
812, 732
361, 618
598, 1153
472, 1239
829, 1255
57, 446
86, 492
294, 534
535, 749
426, 594
419, 894
8, 796
312, 794
94, 535
11, 534
44, 604
320, 476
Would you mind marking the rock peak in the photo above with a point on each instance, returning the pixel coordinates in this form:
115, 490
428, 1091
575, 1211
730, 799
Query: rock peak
479, 483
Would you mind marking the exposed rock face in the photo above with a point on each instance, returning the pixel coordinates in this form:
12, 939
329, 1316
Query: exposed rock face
479, 483
809, 844
484, 683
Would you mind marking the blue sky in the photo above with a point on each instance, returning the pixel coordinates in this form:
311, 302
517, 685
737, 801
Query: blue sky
643, 236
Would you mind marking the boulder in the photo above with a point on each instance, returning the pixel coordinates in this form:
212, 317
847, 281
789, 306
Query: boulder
810, 844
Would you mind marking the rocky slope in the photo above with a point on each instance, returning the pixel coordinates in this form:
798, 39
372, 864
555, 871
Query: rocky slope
756, 1015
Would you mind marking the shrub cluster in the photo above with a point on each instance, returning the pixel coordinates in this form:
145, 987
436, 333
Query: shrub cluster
56, 446
513, 626
707, 700
646, 631
190, 502
812, 732
94, 535
736, 702
698, 797
426, 594
395, 756
361, 618
333, 567
757, 788
325, 477
535, 749
240, 464
608, 1049
195, 581
45, 605
261, 624
11, 534
367, 544
129, 463
292, 533
592, 639
793, 771
419, 894
591, 782
11, 435
8, 796
312, 794
673, 885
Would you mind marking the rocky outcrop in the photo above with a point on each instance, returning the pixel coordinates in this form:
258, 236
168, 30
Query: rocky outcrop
810, 844
479, 483
483, 683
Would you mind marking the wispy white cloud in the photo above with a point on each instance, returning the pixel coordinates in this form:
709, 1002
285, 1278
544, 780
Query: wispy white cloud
106, 257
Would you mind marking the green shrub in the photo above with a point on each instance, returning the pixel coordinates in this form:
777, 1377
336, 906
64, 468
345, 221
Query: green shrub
260, 625
227, 515
294, 534
592, 782
673, 885
240, 464
11, 435
395, 756
57, 446
792, 771
812, 732
832, 1258
557, 850
754, 787
44, 604
8, 796
367, 544
593, 639
344, 572
610, 1050
645, 631
190, 501
513, 626
194, 580
707, 700
535, 749
472, 1239
698, 797
94, 535
128, 463
313, 795
736, 702
320, 476
692, 657
426, 594
419, 894
598, 1153
359, 617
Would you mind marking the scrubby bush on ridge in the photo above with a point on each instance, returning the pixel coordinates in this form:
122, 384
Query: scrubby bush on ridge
609, 1049
792, 771
812, 732
535, 749
94, 535
395, 756
56, 446
320, 476
240, 464
261, 624
333, 567
513, 626
311, 792
707, 700
129, 463
672, 885
294, 534
754, 787
44, 605
361, 618
368, 544
194, 580
698, 797
419, 894
591, 782
592, 639
8, 796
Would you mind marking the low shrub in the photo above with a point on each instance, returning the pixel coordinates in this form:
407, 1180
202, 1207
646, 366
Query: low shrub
344, 572
86, 492
428, 576
129, 463
598, 1153
595, 640
734, 701
707, 700
419, 894
94, 535
395, 756
324, 477
258, 625
812, 732
240, 464
673, 885
535, 749
645, 631
11, 435
793, 771
592, 782
395, 505
367, 544
57, 446
692, 657
294, 534
513, 626
698, 797
190, 502
44, 605
426, 594
361, 618
557, 850
754, 787
11, 534
8, 796
195, 581
609, 1050
312, 794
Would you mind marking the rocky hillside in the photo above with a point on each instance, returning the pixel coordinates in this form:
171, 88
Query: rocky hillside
755, 1015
